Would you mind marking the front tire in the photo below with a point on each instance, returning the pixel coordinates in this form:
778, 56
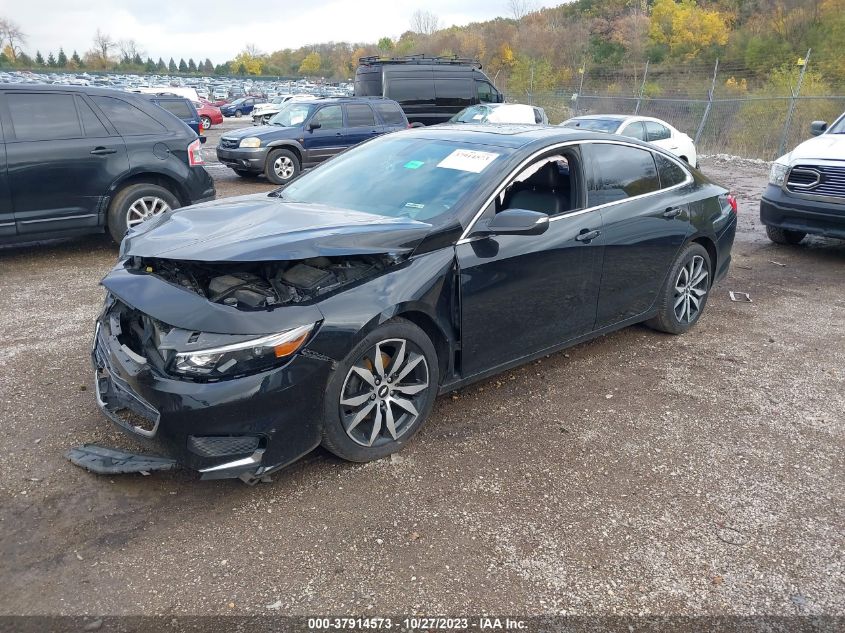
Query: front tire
205, 122
138, 203
381, 394
684, 294
238, 114
282, 166
784, 236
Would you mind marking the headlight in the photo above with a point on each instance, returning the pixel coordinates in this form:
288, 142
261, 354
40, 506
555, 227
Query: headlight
241, 358
777, 175
250, 141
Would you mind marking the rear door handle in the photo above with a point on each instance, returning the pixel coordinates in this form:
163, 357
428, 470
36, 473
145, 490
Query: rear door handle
586, 235
672, 212
99, 151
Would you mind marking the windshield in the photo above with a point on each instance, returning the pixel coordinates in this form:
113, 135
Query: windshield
292, 114
838, 127
418, 178
473, 114
596, 125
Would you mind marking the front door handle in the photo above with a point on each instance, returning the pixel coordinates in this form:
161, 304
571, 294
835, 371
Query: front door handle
586, 235
100, 151
672, 212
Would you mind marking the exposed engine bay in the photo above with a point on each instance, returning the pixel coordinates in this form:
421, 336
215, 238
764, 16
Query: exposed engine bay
263, 285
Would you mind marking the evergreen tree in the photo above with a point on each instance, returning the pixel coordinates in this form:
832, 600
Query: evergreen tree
137, 60
38, 58
150, 66
51, 61
161, 66
192, 67
171, 67
61, 61
209, 67
76, 61
183, 67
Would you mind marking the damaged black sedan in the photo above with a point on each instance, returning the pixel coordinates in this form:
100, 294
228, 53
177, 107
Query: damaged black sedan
240, 334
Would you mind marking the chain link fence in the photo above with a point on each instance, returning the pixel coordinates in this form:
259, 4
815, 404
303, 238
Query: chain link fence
727, 110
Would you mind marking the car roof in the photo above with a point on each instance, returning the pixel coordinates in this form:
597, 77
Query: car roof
90, 90
508, 135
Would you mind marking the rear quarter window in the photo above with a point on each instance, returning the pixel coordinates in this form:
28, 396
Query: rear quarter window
411, 91
671, 173
41, 117
127, 119
620, 172
391, 114
180, 108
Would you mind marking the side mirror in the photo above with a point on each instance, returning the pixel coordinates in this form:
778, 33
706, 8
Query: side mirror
818, 127
517, 222
314, 125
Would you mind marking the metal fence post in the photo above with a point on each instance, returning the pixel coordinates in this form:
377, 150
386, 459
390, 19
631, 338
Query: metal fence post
642, 88
795, 94
701, 125
582, 71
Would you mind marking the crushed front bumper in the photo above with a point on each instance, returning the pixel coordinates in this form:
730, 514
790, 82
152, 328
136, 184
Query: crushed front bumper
243, 427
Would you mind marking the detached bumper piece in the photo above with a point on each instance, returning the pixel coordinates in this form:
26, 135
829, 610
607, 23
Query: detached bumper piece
112, 461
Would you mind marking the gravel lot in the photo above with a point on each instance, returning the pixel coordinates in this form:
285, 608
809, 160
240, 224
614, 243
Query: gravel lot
636, 474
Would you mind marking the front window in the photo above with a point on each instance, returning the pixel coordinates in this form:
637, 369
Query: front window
421, 179
292, 114
838, 127
475, 114
594, 124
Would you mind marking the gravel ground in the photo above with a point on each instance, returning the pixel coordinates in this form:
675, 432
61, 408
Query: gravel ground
636, 474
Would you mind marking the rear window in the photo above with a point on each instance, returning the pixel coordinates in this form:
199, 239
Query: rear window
359, 115
178, 107
411, 91
656, 131
40, 117
127, 119
621, 171
390, 113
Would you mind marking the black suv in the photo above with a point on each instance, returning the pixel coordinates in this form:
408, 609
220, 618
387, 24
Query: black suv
305, 133
429, 89
77, 160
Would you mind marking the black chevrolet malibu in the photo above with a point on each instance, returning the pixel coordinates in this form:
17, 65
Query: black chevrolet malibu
240, 334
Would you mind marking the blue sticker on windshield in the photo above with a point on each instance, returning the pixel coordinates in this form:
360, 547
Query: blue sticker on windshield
414, 164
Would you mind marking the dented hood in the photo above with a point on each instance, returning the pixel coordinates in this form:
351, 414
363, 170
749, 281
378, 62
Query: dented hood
264, 228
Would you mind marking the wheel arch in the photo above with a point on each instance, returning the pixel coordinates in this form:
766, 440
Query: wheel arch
288, 145
151, 178
710, 246
434, 332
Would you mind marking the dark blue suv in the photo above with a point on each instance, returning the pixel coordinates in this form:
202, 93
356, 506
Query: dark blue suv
305, 133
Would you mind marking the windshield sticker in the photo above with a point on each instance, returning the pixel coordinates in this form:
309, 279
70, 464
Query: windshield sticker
468, 160
414, 164
415, 205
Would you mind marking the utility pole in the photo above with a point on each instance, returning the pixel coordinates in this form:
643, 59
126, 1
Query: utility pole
642, 88
795, 95
701, 125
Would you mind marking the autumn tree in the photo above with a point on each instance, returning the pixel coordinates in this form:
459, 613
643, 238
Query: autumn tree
686, 29
11, 36
103, 46
250, 58
310, 66
385, 45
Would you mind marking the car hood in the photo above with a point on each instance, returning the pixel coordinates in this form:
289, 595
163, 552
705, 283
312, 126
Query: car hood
264, 228
262, 131
824, 147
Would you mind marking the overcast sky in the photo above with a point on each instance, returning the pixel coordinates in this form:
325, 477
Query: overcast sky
218, 29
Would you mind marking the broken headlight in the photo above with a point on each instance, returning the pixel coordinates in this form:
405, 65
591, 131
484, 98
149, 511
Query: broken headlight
241, 358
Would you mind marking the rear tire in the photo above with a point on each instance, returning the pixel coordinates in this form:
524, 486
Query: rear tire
684, 294
370, 405
137, 203
238, 114
784, 236
282, 166
205, 122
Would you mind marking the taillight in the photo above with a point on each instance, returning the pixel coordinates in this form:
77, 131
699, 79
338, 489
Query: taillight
733, 203
195, 153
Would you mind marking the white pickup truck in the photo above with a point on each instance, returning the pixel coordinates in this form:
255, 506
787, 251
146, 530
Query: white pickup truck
806, 191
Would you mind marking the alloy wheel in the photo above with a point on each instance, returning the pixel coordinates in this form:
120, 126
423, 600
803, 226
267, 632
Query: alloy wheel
690, 289
283, 166
144, 209
383, 392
